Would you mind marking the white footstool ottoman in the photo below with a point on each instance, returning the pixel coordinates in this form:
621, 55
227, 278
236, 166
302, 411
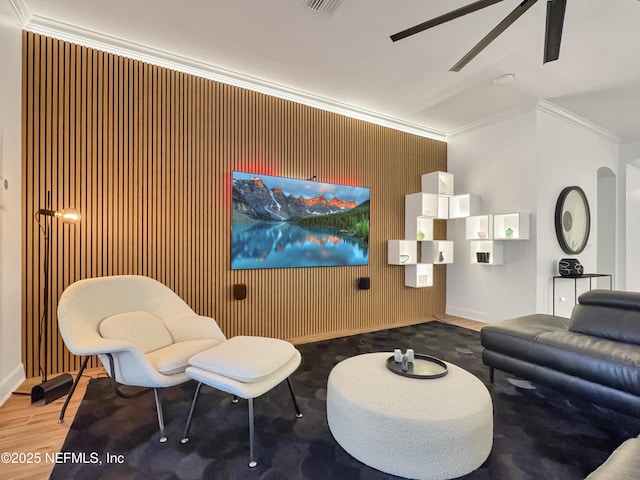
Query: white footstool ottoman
432, 429
245, 367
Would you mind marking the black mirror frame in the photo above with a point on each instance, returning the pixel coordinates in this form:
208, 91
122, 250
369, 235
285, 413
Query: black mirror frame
558, 220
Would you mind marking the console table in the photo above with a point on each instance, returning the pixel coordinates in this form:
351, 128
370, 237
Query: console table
575, 279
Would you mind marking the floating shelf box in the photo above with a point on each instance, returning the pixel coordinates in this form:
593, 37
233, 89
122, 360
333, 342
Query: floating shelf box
465, 205
438, 182
518, 223
479, 224
494, 249
443, 207
402, 252
418, 228
418, 276
421, 205
430, 252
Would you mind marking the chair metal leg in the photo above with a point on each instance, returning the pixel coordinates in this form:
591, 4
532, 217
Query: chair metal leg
73, 389
120, 393
114, 382
185, 436
252, 461
163, 437
293, 397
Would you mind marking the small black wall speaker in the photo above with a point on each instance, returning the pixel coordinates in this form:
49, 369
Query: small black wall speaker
364, 283
570, 267
239, 291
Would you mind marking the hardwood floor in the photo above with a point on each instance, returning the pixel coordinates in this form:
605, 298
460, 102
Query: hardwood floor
33, 433
34, 430
460, 322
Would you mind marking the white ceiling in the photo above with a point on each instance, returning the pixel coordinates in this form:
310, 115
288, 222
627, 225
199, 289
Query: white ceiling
348, 57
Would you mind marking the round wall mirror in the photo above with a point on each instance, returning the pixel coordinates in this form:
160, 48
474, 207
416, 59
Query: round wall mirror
573, 220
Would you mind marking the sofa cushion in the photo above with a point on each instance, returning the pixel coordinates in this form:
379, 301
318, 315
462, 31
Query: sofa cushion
598, 360
516, 336
611, 298
144, 330
245, 359
174, 358
608, 314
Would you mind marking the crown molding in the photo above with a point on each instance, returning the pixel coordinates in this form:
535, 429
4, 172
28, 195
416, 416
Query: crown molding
23, 12
492, 119
630, 140
552, 109
111, 44
541, 105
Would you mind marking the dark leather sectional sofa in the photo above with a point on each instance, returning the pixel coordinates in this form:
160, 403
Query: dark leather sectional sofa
595, 354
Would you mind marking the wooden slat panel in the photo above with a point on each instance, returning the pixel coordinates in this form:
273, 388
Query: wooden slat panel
146, 155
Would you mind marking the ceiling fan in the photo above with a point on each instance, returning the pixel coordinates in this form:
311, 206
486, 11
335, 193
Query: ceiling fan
553, 32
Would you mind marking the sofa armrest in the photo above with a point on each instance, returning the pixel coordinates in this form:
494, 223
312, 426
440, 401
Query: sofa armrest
622, 464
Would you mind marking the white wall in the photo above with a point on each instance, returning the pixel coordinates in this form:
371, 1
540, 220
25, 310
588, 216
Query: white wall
496, 162
607, 228
522, 164
11, 368
568, 153
629, 205
632, 273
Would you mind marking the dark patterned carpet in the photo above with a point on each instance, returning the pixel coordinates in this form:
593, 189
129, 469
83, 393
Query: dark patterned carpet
538, 433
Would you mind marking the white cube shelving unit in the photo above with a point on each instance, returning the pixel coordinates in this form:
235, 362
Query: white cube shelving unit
462, 206
419, 275
402, 252
438, 252
511, 226
479, 227
438, 182
419, 252
495, 251
486, 232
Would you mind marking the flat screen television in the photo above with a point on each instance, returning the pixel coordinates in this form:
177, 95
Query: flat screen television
280, 222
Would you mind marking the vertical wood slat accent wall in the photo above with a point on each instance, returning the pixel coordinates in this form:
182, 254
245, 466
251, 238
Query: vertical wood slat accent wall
146, 155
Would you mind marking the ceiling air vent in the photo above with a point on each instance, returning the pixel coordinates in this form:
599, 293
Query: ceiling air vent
323, 6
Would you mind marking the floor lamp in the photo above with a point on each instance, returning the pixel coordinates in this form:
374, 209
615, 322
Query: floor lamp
50, 390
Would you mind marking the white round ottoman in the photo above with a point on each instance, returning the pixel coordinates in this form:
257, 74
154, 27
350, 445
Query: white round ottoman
437, 428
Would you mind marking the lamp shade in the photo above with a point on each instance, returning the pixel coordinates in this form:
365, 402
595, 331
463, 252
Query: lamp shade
66, 215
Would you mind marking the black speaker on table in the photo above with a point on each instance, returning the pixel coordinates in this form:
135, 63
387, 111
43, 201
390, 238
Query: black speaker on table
570, 267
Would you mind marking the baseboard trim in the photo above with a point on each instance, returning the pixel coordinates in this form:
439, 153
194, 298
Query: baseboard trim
472, 315
11, 382
355, 331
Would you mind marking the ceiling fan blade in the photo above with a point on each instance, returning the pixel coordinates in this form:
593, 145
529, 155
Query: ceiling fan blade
443, 18
553, 32
493, 34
